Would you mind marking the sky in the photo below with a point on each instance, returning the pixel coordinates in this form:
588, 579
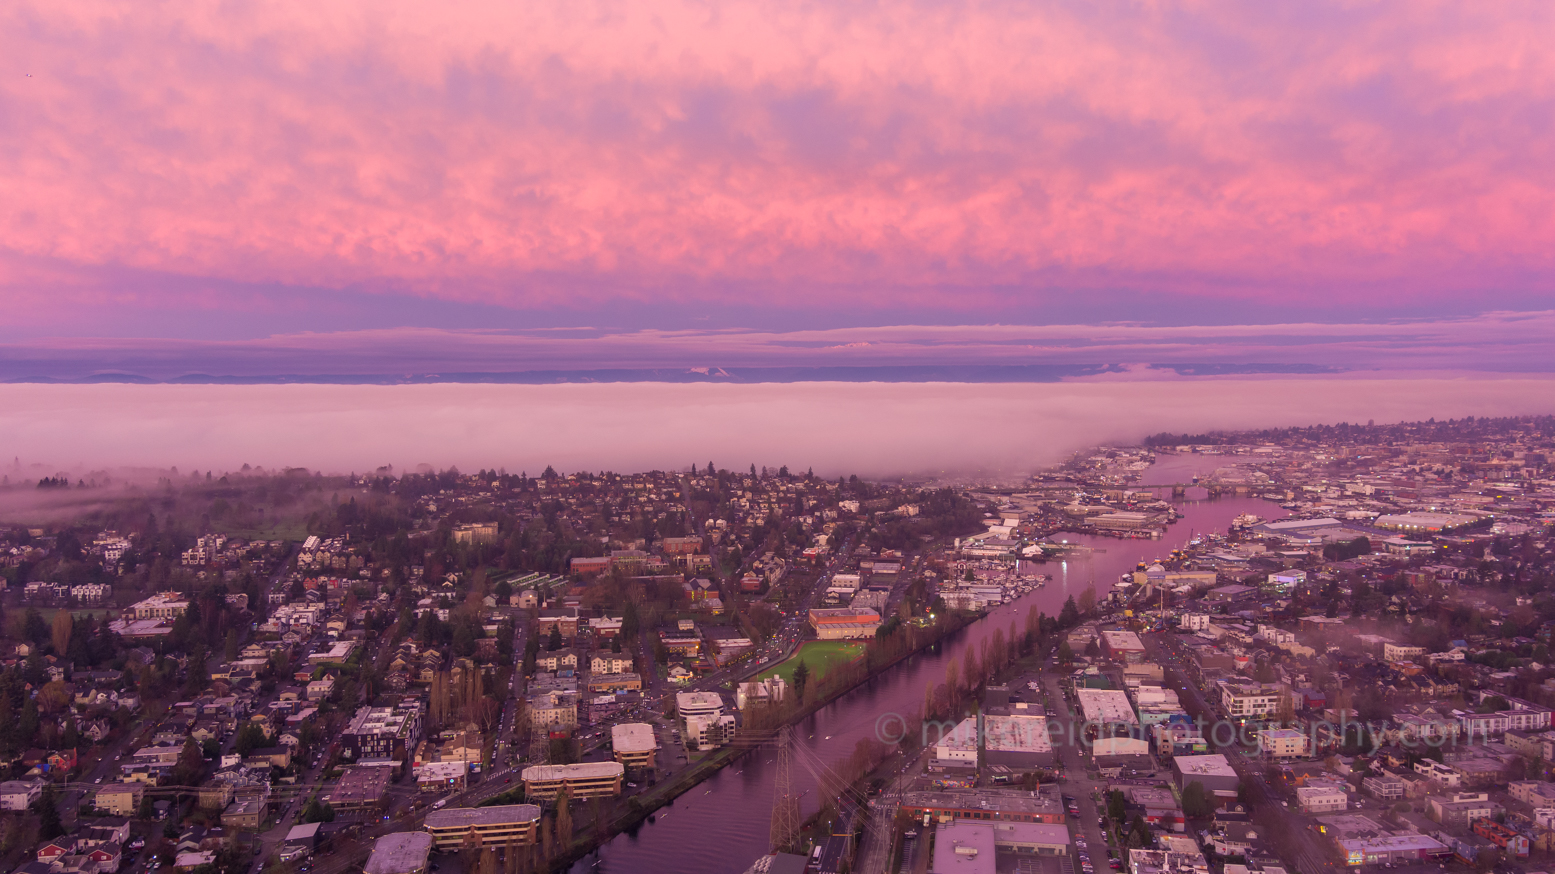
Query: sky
353, 191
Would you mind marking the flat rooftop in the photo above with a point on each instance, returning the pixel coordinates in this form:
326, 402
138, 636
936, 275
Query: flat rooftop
966, 847
1213, 764
633, 737
399, 853
580, 771
1106, 705
474, 817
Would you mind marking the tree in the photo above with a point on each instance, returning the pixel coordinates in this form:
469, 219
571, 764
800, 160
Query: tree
801, 679
60, 631
190, 766
1065, 653
318, 811
49, 824
1139, 834
554, 642
250, 737
1115, 806
1087, 604
1069, 616
1195, 801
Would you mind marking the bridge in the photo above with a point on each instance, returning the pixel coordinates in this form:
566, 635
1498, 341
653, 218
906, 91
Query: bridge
1216, 488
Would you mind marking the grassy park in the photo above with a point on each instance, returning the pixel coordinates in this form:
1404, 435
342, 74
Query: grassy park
820, 655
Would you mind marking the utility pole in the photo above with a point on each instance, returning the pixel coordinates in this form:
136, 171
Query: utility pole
785, 803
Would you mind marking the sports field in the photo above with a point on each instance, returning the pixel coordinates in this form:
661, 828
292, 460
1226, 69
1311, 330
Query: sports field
820, 655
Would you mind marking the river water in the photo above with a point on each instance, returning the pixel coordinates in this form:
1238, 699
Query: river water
722, 825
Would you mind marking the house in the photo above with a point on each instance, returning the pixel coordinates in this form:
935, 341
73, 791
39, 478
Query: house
19, 794
56, 849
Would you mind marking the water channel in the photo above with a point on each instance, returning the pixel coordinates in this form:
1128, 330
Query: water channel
722, 825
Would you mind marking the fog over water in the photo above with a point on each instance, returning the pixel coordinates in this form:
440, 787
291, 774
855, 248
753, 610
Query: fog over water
872, 429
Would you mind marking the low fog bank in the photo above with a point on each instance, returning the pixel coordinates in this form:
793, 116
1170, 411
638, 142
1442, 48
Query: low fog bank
877, 430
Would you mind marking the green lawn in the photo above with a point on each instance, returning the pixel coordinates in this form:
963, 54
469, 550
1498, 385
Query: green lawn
819, 655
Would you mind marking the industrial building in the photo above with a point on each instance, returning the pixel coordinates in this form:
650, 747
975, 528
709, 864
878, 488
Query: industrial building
518, 823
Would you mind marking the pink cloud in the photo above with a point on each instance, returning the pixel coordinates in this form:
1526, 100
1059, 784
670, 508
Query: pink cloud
814, 155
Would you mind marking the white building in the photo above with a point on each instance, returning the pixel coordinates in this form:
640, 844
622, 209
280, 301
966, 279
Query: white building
1321, 799
709, 732
694, 704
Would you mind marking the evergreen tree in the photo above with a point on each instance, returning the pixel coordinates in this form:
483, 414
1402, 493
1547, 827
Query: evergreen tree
49, 824
801, 679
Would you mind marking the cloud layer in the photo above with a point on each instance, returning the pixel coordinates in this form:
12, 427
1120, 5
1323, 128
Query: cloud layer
836, 428
871, 155
1491, 342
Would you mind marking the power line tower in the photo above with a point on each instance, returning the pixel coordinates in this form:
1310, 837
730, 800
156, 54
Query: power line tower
539, 744
785, 803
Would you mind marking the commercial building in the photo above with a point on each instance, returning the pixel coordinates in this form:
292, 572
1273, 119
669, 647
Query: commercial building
381, 733
710, 732
634, 744
360, 789
627, 682
1106, 707
966, 846
991, 805
1361, 840
518, 823
400, 853
963, 848
843, 623
582, 780
689, 704
1018, 741
1122, 646
1212, 771
1462, 809
1322, 799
